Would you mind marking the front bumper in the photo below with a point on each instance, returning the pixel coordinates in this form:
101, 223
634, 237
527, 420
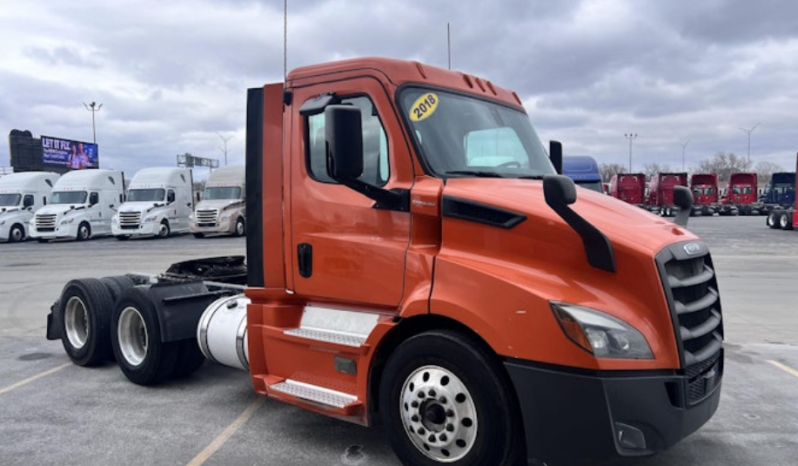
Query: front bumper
226, 227
61, 231
575, 418
142, 229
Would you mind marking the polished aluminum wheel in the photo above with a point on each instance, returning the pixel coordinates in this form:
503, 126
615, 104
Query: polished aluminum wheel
439, 414
133, 338
76, 322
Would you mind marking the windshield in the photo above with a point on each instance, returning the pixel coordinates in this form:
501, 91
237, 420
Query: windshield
466, 136
592, 185
10, 199
219, 193
68, 197
144, 195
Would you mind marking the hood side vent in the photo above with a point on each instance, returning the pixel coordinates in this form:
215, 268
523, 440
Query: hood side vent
472, 211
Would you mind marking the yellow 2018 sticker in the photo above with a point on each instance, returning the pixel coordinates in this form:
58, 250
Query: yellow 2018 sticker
424, 107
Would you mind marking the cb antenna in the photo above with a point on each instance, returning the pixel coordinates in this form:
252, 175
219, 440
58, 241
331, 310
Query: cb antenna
285, 39
449, 44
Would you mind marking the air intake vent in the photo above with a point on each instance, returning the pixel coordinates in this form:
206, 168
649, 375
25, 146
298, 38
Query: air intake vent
690, 285
471, 211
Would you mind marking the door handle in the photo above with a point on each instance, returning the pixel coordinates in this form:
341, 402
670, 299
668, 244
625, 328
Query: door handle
305, 259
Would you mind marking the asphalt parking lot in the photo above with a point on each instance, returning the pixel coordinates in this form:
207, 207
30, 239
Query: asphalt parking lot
54, 413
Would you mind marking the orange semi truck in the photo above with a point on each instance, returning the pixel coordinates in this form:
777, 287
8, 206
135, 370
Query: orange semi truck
414, 261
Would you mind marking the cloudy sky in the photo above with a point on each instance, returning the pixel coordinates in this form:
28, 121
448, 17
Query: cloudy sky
172, 75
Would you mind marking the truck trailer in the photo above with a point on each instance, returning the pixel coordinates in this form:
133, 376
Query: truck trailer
659, 198
21, 194
783, 216
222, 209
81, 206
394, 277
159, 202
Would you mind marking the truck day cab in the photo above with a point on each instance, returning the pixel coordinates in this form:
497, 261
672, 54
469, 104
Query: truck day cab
705, 193
413, 259
660, 192
784, 216
222, 209
81, 206
21, 194
159, 202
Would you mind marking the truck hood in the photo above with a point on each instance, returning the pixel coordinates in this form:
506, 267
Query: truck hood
217, 203
622, 223
59, 209
143, 206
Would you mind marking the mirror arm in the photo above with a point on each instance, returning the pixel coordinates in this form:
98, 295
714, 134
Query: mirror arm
392, 200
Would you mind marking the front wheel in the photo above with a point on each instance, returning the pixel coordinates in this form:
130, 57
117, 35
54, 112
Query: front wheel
164, 231
84, 232
241, 227
16, 234
445, 401
199, 235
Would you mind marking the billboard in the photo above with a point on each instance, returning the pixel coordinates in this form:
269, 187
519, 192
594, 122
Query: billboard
72, 155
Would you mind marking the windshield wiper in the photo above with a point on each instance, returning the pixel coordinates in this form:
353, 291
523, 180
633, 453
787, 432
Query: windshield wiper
479, 173
530, 177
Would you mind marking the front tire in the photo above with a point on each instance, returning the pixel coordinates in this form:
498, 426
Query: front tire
241, 227
136, 339
84, 232
85, 313
164, 231
199, 235
445, 401
16, 234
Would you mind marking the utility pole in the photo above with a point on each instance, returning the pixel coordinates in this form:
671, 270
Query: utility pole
683, 148
224, 140
749, 131
449, 45
93, 108
631, 137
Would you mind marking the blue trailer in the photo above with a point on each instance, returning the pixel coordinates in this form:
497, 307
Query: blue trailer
584, 170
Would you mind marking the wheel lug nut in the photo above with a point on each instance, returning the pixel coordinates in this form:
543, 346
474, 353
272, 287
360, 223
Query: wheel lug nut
443, 437
450, 427
442, 400
431, 438
421, 431
432, 393
421, 394
414, 418
449, 413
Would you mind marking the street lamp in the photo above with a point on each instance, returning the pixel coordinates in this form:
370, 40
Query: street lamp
224, 139
683, 147
749, 131
631, 137
93, 108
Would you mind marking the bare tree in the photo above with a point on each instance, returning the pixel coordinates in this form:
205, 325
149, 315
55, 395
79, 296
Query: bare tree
724, 165
608, 170
765, 169
652, 168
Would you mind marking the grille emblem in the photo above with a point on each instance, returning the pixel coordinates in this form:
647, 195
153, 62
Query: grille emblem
692, 248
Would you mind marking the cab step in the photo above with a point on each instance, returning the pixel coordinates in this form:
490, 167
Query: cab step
328, 336
323, 396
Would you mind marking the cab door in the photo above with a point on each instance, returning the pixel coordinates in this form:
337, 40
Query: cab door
341, 248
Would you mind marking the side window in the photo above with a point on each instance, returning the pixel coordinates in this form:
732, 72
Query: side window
27, 201
375, 145
495, 147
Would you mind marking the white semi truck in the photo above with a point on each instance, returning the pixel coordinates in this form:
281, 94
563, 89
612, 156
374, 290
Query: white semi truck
223, 206
81, 206
159, 202
21, 194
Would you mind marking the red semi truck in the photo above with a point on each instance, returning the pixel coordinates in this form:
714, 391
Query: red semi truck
705, 193
660, 192
629, 187
785, 218
740, 197
413, 261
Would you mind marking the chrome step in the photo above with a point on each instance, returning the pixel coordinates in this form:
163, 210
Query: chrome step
328, 336
314, 393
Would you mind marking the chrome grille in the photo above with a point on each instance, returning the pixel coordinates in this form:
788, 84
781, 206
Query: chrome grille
129, 219
694, 301
45, 222
206, 218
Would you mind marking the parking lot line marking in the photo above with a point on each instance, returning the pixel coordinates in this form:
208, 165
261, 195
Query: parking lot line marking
785, 368
35, 377
227, 433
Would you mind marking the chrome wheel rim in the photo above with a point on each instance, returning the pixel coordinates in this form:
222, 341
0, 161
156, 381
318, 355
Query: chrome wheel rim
240, 228
133, 337
164, 231
438, 414
76, 320
84, 232
16, 234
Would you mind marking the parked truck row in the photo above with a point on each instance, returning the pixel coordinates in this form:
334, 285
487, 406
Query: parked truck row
85, 204
370, 180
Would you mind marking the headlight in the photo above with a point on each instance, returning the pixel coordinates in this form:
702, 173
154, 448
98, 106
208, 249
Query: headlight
191, 216
67, 220
151, 218
2, 222
601, 334
225, 218
115, 219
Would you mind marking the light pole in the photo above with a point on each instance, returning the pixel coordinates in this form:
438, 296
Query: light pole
749, 131
93, 108
224, 140
631, 137
683, 148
